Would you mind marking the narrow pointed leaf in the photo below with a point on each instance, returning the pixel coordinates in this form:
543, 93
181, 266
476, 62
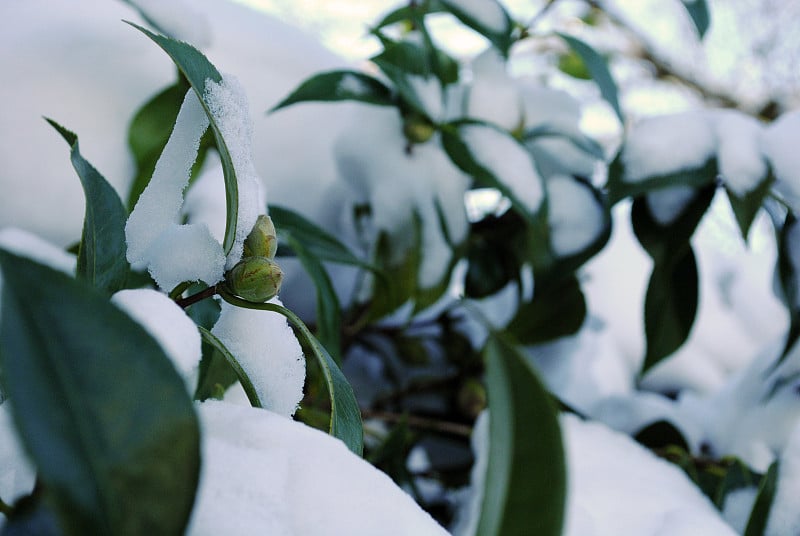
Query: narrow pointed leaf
345, 422
525, 490
701, 17
339, 86
487, 17
759, 516
746, 207
557, 311
99, 406
101, 256
598, 69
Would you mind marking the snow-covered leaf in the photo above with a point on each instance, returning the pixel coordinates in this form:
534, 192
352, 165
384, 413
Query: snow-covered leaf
698, 11
419, 58
598, 69
339, 86
198, 70
582, 142
487, 17
101, 256
80, 372
757, 524
788, 268
525, 490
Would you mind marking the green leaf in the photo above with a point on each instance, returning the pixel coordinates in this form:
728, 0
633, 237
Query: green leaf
329, 317
475, 18
345, 421
597, 67
149, 131
339, 86
99, 406
241, 375
661, 434
788, 279
410, 13
557, 310
698, 10
746, 207
101, 257
316, 240
573, 65
670, 307
423, 59
525, 490
582, 142
757, 523
401, 79
194, 66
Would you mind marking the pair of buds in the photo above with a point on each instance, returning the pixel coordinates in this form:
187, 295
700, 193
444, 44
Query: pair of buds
257, 277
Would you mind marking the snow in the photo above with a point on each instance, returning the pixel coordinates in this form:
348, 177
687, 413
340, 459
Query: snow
185, 253
615, 487
265, 474
574, 215
667, 204
667, 144
266, 348
781, 151
507, 160
227, 103
169, 325
487, 13
793, 252
204, 201
178, 19
429, 92
739, 155
27, 244
738, 506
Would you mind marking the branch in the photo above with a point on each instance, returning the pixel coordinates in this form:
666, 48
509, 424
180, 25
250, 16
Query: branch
422, 423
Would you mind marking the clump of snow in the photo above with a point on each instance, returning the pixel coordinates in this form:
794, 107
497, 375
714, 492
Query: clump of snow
267, 350
667, 204
227, 102
507, 160
174, 253
17, 474
304, 493
179, 19
493, 95
667, 144
169, 325
204, 201
574, 215
487, 13
739, 156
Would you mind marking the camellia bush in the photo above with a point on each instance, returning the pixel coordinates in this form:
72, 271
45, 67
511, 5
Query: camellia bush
451, 373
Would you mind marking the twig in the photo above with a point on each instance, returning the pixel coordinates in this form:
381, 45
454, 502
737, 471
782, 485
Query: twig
422, 423
183, 303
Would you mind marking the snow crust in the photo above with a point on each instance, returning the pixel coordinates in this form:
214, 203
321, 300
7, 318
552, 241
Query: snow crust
574, 215
267, 350
169, 325
304, 493
668, 144
507, 160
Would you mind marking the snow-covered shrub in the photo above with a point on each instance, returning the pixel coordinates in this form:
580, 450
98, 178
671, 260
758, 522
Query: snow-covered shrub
457, 242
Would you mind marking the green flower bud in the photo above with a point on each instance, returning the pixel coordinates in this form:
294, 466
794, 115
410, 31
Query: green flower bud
418, 129
255, 279
262, 240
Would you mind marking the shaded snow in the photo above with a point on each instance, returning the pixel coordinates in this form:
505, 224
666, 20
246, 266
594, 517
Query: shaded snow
17, 473
780, 148
667, 204
574, 214
739, 156
263, 473
493, 95
266, 348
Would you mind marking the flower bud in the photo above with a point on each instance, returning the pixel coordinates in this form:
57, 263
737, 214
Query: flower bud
255, 279
262, 240
418, 129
